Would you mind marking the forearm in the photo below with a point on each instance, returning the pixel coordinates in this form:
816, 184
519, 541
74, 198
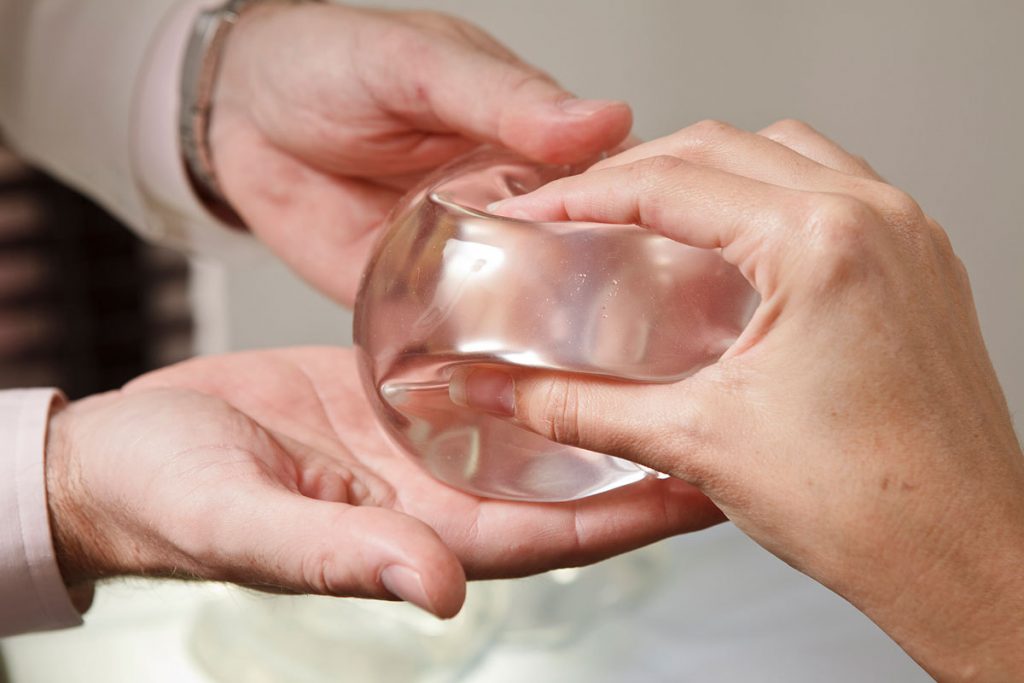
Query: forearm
969, 627
953, 598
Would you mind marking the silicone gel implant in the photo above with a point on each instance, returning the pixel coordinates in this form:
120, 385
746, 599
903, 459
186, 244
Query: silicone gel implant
450, 284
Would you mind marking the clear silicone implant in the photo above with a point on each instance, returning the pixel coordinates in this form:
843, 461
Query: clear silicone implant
450, 284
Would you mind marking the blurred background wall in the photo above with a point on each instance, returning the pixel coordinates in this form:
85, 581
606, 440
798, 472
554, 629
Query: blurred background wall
85, 305
929, 91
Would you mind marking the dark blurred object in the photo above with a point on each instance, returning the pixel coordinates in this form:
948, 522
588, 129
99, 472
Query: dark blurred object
85, 305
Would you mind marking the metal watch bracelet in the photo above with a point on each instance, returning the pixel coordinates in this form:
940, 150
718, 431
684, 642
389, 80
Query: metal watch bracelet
198, 78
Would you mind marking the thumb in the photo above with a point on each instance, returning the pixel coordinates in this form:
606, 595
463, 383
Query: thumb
661, 426
313, 546
514, 105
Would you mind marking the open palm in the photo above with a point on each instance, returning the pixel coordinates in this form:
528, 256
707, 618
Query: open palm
268, 468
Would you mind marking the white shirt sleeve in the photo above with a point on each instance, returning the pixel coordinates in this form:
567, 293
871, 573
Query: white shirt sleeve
89, 92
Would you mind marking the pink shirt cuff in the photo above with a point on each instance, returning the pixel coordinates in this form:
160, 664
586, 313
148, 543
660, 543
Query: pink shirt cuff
33, 596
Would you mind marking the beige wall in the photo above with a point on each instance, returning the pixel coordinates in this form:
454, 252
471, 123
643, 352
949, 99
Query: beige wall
931, 92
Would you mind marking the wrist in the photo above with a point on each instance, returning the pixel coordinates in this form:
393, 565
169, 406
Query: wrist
947, 586
84, 549
97, 526
63, 493
200, 83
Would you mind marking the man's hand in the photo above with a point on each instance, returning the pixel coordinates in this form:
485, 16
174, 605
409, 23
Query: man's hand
268, 469
856, 428
323, 114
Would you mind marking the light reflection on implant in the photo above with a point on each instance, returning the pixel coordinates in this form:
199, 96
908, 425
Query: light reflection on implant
451, 285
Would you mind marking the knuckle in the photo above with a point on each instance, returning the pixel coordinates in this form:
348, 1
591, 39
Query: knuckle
898, 208
322, 569
944, 247
514, 81
864, 165
789, 129
841, 233
703, 137
939, 235
652, 180
652, 170
710, 130
556, 412
833, 218
835, 215
316, 571
523, 77
432, 19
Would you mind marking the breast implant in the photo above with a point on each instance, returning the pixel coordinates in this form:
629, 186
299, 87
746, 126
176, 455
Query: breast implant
450, 284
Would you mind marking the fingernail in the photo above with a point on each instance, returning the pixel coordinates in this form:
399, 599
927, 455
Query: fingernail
506, 209
577, 107
491, 391
406, 584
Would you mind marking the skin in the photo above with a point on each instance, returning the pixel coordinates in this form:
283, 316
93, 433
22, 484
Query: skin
315, 139
856, 429
268, 469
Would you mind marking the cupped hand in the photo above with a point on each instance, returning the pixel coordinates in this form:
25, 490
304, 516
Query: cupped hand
268, 469
323, 114
856, 428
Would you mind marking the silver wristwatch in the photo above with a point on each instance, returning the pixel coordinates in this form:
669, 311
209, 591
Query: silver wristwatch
198, 77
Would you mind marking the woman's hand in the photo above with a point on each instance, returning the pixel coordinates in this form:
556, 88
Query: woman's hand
323, 114
269, 469
856, 429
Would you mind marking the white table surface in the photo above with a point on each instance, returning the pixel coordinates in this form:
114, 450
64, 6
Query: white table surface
730, 612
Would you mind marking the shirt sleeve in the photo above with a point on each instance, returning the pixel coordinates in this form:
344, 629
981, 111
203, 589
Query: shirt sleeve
33, 596
89, 92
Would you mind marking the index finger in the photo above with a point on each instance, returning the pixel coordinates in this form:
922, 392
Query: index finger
700, 206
